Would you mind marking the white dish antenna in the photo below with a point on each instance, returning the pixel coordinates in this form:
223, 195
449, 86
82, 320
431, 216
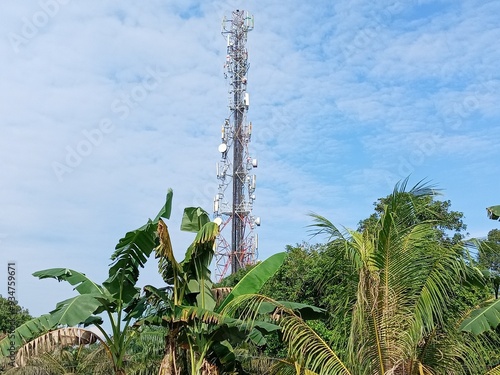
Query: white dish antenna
222, 148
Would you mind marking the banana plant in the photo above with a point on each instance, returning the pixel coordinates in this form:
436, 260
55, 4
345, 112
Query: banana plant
52, 340
203, 332
493, 212
117, 295
187, 305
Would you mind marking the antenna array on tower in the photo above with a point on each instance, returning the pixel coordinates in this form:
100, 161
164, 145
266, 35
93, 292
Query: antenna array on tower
233, 203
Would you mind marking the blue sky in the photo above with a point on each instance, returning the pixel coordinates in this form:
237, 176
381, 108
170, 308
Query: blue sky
347, 98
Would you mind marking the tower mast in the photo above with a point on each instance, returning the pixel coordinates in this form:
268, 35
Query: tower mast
234, 202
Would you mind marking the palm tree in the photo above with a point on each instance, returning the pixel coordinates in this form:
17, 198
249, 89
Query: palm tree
401, 321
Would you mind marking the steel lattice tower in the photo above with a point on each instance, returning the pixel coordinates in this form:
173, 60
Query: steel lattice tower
234, 202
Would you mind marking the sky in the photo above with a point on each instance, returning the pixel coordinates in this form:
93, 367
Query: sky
104, 105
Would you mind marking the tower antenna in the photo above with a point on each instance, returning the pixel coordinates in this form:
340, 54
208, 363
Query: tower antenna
236, 193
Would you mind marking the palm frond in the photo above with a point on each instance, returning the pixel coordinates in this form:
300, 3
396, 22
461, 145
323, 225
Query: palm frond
494, 371
322, 226
395, 270
443, 270
308, 349
288, 367
188, 313
421, 188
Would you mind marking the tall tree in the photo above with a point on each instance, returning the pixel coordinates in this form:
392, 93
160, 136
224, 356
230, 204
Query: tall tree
488, 257
11, 315
449, 225
407, 276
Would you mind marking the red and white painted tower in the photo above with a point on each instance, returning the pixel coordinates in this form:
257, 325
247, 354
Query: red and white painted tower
233, 203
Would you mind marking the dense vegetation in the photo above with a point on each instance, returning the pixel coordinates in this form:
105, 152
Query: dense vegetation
401, 294
11, 314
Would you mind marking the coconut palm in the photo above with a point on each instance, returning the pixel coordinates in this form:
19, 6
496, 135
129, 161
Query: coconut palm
401, 320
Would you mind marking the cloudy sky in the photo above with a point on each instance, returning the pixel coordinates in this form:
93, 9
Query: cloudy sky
104, 105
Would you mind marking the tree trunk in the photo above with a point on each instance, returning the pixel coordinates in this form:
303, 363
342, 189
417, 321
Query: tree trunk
168, 365
208, 368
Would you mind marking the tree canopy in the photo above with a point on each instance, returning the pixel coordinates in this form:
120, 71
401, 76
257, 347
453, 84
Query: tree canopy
400, 292
11, 314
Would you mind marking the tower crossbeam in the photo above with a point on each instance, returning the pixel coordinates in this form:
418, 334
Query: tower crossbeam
233, 203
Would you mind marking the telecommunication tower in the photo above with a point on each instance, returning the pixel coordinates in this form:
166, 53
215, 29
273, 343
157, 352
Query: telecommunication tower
236, 193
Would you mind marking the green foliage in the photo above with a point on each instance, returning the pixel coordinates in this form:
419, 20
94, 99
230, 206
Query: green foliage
493, 212
145, 350
90, 360
11, 315
488, 258
25, 332
117, 296
193, 219
131, 253
412, 288
255, 279
482, 319
234, 278
489, 252
199, 330
317, 275
450, 227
